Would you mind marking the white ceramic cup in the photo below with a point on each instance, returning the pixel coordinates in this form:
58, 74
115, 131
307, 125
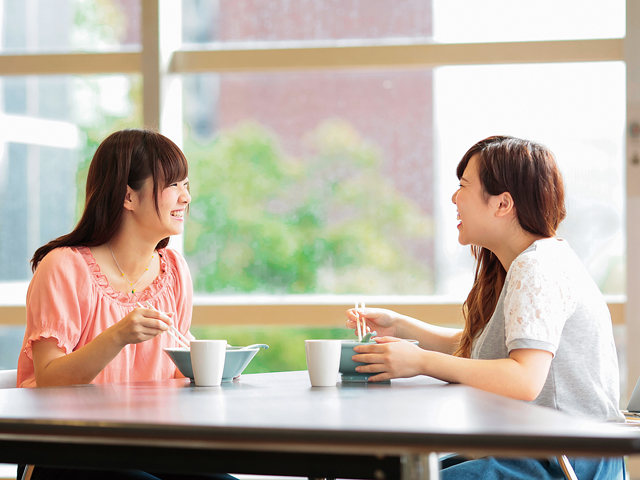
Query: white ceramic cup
323, 360
207, 361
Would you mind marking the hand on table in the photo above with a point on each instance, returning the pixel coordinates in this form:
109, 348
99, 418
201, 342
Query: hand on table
377, 319
391, 358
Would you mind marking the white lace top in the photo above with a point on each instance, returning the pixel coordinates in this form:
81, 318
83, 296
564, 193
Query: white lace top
539, 299
549, 302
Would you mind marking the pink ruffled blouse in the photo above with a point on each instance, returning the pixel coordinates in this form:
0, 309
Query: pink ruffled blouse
69, 299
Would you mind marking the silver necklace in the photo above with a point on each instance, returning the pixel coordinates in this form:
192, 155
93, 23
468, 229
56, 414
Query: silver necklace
133, 285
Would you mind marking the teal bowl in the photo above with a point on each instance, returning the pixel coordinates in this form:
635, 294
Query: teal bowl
348, 366
235, 361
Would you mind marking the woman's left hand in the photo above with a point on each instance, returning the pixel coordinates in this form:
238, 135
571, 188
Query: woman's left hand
391, 358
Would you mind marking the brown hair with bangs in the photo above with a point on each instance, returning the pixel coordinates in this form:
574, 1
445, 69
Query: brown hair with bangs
127, 157
528, 171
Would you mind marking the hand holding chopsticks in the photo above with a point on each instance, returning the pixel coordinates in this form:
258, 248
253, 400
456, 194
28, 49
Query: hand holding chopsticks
182, 341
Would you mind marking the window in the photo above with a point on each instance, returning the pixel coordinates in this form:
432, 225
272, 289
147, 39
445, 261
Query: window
311, 182
415, 124
463, 21
51, 126
306, 105
46, 26
578, 111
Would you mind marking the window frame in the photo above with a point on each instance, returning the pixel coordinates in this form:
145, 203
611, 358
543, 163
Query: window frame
161, 60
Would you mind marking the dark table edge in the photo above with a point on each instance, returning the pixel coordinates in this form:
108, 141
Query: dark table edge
179, 460
621, 442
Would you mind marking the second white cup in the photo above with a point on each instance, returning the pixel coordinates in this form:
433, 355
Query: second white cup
323, 360
207, 361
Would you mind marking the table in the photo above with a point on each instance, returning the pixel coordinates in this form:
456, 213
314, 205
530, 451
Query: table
276, 423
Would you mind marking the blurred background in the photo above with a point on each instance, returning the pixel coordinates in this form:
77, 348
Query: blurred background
315, 185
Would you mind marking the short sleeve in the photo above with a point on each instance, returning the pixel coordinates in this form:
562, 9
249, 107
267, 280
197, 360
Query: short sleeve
57, 298
537, 304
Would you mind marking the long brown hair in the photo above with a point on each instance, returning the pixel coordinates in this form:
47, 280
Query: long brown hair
127, 157
528, 171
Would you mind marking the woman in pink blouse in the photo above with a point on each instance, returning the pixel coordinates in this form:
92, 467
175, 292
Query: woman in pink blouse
83, 322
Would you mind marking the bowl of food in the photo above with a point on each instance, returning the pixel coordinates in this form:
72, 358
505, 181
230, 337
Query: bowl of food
235, 361
348, 366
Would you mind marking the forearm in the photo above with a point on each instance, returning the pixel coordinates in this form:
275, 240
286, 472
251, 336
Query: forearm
431, 337
506, 377
81, 366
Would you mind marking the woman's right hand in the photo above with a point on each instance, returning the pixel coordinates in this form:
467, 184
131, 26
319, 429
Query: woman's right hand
379, 320
53, 366
140, 325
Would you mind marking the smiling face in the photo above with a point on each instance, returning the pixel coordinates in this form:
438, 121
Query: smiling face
175, 199
168, 220
476, 210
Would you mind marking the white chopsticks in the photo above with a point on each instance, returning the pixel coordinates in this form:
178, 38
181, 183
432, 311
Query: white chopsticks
182, 341
360, 328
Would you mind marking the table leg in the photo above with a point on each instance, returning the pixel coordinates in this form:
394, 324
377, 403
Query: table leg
421, 466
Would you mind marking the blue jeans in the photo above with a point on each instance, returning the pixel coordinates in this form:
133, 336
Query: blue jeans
491, 468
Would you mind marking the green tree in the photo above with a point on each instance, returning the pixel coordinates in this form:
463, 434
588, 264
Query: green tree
261, 221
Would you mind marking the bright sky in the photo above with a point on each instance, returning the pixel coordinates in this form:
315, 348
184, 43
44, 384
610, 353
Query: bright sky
520, 20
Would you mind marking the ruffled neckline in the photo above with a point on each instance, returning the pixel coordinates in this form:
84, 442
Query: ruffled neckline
129, 298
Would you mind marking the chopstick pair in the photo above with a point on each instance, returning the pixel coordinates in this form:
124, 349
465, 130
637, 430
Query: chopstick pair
361, 329
182, 341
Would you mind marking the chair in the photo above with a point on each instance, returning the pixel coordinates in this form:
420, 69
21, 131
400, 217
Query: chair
8, 378
567, 469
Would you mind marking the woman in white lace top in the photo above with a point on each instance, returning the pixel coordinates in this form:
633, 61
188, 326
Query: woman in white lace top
536, 326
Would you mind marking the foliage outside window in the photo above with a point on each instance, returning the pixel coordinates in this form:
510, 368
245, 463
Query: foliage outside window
261, 221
